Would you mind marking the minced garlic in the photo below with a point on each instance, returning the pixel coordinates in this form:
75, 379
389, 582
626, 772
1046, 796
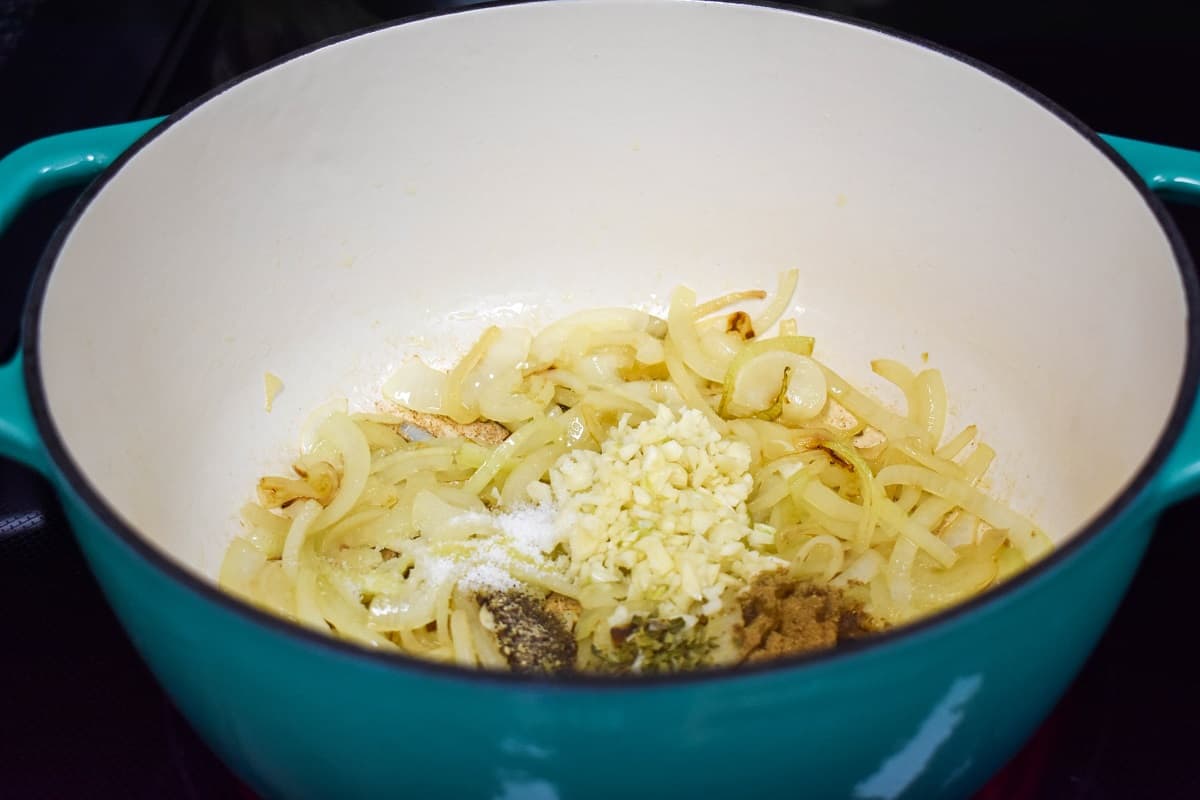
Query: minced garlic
657, 521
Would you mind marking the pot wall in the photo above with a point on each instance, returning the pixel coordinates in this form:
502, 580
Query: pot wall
393, 193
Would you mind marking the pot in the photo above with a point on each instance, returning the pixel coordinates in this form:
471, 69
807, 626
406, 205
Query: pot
396, 190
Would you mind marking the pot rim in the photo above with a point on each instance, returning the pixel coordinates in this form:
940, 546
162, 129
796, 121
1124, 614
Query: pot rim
877, 644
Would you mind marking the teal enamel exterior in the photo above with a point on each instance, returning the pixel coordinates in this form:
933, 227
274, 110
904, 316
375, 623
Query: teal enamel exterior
65, 159
18, 433
929, 713
26, 174
1171, 171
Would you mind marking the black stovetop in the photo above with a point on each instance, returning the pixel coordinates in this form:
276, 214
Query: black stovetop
80, 716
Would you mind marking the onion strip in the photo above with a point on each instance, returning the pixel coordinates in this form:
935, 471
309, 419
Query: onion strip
301, 523
892, 425
894, 372
452, 403
356, 466
688, 389
797, 345
530, 436
726, 300
681, 328
962, 494
928, 410
780, 302
956, 445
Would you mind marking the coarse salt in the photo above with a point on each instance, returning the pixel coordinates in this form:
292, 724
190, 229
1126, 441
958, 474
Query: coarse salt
528, 532
531, 529
437, 569
487, 576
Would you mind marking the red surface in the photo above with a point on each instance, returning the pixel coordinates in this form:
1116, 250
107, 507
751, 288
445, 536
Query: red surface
1023, 777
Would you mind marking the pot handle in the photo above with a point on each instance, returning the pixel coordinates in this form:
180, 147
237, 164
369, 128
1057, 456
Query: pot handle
1170, 171
1174, 173
27, 173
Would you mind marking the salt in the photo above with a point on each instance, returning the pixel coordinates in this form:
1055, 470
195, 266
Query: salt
530, 528
437, 569
487, 576
528, 531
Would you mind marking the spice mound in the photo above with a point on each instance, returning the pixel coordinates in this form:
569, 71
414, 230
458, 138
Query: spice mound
782, 617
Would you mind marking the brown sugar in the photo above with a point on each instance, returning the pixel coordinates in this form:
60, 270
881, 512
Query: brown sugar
782, 616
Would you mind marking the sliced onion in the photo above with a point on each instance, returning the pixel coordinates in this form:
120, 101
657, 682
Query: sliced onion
869, 493
892, 425
956, 445
310, 431
721, 346
934, 587
349, 618
688, 389
396, 467
861, 570
681, 328
754, 381
274, 590
241, 565
904, 552
961, 531
549, 343
530, 470
308, 608
779, 303
341, 431
894, 372
440, 521
268, 540
928, 409
453, 402
963, 495
495, 385
832, 546
301, 524
726, 300
417, 386
604, 367
407, 611
535, 434
255, 516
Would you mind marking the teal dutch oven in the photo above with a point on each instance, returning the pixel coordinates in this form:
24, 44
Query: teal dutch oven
396, 190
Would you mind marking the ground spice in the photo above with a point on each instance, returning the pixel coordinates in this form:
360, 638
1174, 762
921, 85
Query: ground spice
782, 616
532, 637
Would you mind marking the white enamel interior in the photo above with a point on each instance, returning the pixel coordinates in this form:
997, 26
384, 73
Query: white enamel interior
391, 193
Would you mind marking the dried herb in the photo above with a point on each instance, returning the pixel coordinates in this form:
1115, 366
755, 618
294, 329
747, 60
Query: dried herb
650, 646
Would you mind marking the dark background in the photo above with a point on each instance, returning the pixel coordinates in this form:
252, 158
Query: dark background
79, 714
